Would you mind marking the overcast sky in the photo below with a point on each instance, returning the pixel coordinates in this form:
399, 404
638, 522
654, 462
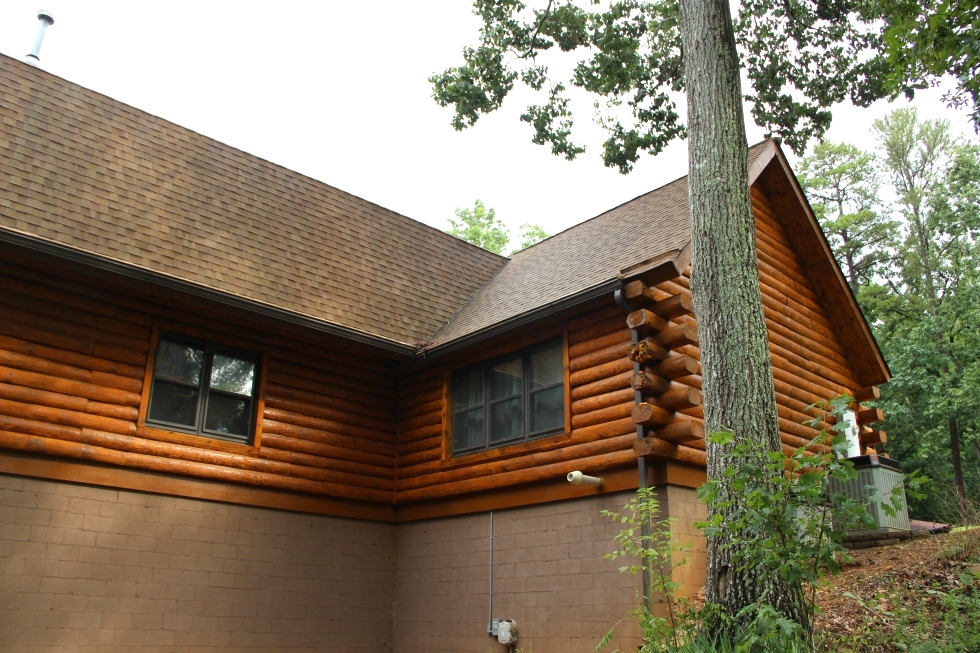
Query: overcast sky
338, 91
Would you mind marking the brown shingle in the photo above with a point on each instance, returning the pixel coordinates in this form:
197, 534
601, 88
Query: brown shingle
91, 173
583, 257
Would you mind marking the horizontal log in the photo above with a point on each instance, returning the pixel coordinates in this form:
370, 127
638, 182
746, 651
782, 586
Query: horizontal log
677, 336
870, 393
675, 366
59, 326
225, 459
602, 431
602, 415
597, 328
600, 356
70, 358
423, 456
870, 416
604, 371
587, 347
812, 362
434, 406
871, 437
419, 445
647, 414
66, 417
662, 449
32, 370
311, 417
420, 433
298, 445
314, 405
63, 449
309, 460
639, 295
311, 431
38, 305
680, 431
573, 452
28, 395
808, 381
677, 397
609, 384
645, 322
491, 481
650, 384
616, 397
80, 341
425, 419
332, 400
413, 397
645, 351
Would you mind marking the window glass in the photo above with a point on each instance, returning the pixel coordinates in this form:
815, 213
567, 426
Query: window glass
173, 403
506, 420
198, 390
468, 389
179, 362
468, 430
547, 366
227, 414
507, 378
232, 375
509, 399
548, 409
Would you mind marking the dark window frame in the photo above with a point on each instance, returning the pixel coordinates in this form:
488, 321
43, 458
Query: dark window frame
211, 349
526, 395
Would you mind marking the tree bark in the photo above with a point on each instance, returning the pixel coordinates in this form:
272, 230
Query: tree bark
736, 369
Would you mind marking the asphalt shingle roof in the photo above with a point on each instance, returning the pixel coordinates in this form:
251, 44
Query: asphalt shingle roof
87, 172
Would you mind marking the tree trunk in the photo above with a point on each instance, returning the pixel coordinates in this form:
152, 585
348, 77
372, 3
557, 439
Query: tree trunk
736, 368
954, 446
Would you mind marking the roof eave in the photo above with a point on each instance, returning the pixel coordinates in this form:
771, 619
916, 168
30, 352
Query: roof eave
130, 271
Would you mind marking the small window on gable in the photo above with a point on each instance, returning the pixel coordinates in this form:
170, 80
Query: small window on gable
510, 399
202, 388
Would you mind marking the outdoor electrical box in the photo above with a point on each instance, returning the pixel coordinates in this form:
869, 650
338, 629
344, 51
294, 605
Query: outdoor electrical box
507, 632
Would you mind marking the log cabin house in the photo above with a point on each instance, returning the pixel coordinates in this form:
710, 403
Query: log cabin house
241, 410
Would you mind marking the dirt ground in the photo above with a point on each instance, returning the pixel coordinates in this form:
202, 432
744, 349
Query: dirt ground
878, 581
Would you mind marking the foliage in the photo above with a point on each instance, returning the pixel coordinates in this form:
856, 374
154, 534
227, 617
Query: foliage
842, 184
531, 234
927, 39
920, 291
801, 56
646, 538
794, 531
481, 227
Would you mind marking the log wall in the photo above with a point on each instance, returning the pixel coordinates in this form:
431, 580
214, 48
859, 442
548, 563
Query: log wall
73, 360
809, 361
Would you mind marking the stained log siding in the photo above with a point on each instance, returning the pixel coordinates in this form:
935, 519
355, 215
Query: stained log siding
73, 359
808, 358
599, 436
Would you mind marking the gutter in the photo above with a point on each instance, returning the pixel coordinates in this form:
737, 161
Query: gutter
130, 271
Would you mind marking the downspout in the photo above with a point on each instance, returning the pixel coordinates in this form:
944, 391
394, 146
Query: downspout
641, 461
490, 609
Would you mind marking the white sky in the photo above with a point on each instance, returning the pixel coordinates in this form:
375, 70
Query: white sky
338, 91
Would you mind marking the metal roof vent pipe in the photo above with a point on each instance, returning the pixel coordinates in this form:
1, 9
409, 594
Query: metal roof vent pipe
46, 19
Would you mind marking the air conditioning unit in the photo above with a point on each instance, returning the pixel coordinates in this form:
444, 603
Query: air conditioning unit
875, 475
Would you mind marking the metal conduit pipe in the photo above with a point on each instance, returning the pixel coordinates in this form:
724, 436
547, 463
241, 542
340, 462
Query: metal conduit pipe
642, 469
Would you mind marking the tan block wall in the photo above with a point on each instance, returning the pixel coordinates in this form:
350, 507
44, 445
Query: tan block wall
549, 574
86, 569
683, 507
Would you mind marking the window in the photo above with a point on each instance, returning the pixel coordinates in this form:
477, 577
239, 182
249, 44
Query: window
510, 399
204, 389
